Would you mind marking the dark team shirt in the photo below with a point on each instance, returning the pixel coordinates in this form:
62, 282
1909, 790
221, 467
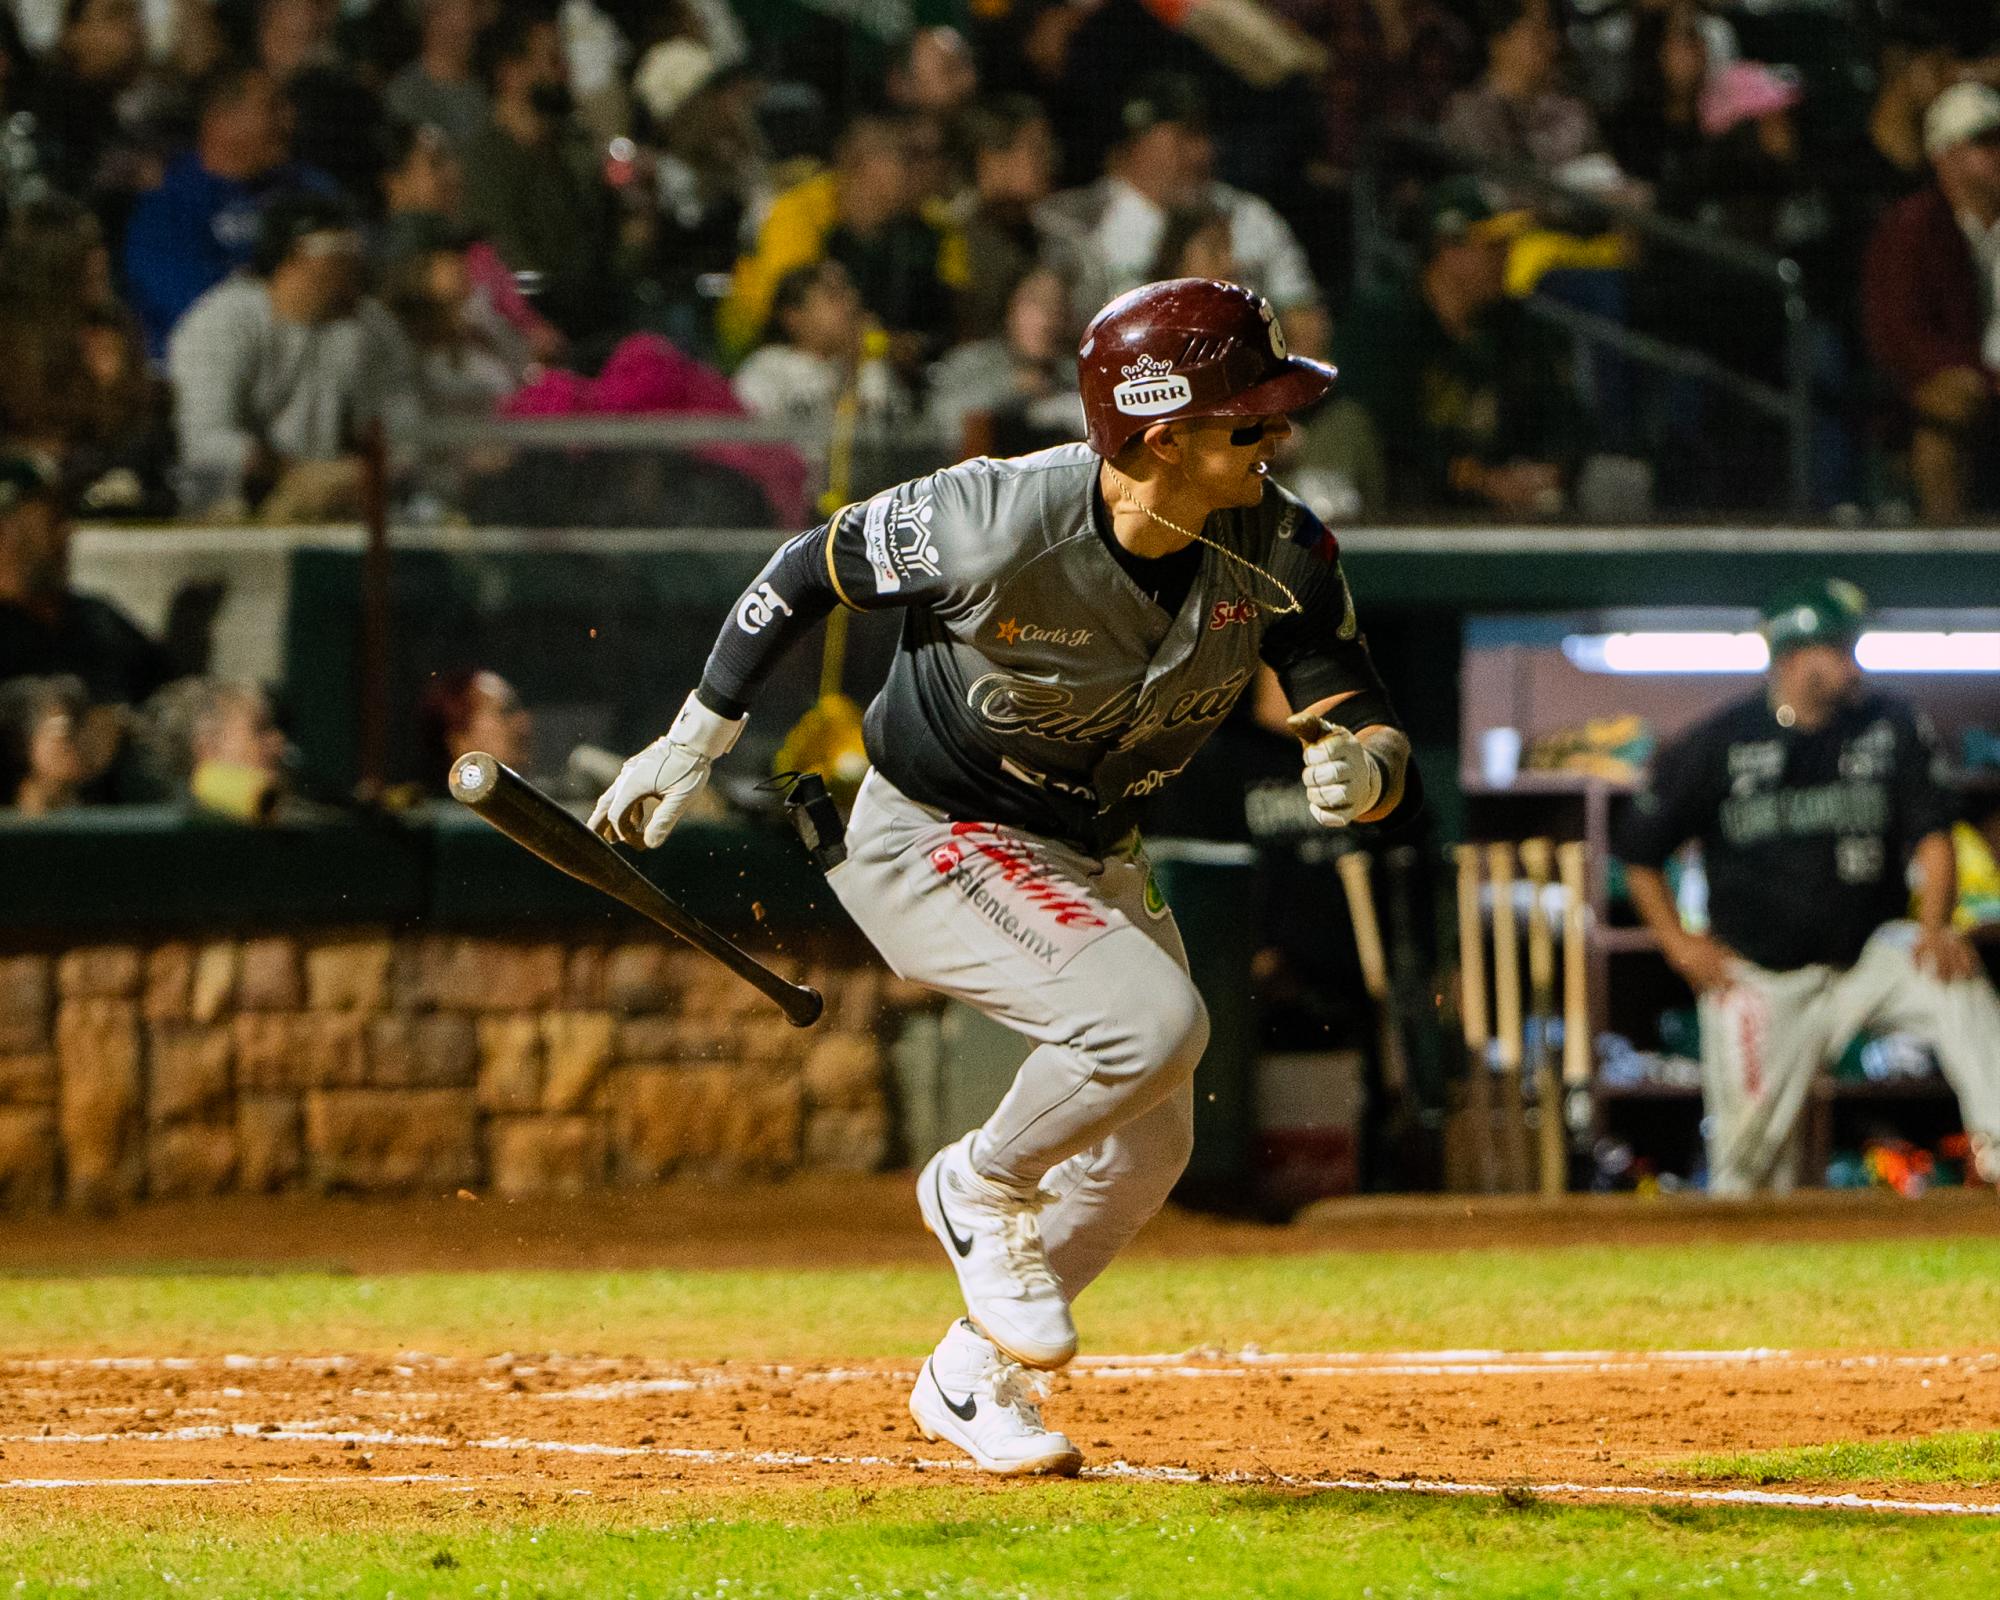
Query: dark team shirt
1039, 682
1805, 837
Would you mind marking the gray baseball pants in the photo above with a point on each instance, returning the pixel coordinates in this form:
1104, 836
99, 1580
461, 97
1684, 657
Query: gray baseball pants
1073, 952
1763, 1038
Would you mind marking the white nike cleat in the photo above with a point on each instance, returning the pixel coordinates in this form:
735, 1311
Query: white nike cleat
995, 1244
968, 1394
1986, 1157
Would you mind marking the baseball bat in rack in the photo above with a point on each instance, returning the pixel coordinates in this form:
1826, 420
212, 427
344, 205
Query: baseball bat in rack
502, 797
1576, 986
1357, 879
1552, 1147
1473, 1019
1513, 1134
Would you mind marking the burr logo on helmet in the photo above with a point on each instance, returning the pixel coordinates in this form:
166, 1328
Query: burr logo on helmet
1151, 389
1278, 345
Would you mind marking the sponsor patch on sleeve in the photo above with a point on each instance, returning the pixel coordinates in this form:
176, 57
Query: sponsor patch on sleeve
896, 537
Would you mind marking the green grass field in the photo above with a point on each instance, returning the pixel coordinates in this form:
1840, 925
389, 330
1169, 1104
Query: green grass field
1048, 1541
1965, 1458
1092, 1540
1905, 1293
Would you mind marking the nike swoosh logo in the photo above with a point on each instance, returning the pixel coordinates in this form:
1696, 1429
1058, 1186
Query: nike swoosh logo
964, 1412
962, 1246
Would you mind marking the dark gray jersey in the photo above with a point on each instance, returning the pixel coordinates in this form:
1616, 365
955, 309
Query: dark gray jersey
1036, 683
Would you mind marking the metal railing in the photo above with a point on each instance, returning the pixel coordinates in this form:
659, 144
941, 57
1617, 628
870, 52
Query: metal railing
1790, 405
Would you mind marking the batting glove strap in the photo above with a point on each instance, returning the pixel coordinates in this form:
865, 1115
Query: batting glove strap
704, 732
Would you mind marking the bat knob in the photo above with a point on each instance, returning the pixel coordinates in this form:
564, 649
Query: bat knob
1309, 727
474, 776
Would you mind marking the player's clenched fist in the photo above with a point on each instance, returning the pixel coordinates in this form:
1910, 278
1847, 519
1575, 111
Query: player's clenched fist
1343, 781
654, 787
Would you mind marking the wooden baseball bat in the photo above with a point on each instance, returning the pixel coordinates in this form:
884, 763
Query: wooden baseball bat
1538, 859
1576, 987
532, 820
1473, 1019
1513, 1145
1355, 878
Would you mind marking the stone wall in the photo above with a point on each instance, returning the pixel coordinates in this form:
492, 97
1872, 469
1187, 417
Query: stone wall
367, 1061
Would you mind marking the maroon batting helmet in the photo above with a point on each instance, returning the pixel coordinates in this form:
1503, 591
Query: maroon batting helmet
1188, 347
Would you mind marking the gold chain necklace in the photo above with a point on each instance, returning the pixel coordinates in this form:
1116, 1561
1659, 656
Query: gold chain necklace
1292, 606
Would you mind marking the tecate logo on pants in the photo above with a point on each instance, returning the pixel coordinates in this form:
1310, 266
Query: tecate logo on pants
999, 878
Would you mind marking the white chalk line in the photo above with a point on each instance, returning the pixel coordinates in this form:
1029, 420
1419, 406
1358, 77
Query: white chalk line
1116, 1471
1197, 1366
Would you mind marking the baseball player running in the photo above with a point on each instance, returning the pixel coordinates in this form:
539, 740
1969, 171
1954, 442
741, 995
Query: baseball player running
1076, 623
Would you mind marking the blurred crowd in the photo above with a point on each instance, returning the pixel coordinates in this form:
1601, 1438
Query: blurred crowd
245, 240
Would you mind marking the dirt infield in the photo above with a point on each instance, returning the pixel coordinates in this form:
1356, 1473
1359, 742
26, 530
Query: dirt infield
867, 1221
540, 1425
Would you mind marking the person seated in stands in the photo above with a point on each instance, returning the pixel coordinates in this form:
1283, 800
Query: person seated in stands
712, 162
276, 370
1013, 154
47, 629
1464, 401
75, 386
89, 147
1928, 306
863, 214
1607, 45
1815, 801
933, 81
42, 764
1020, 384
534, 184
332, 109
215, 741
1387, 61
468, 359
1163, 162
423, 196
1656, 132
441, 87
1520, 110
1915, 65
823, 345
471, 709
200, 224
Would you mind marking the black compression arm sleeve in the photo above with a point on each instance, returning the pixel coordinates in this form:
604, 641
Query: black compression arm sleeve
794, 591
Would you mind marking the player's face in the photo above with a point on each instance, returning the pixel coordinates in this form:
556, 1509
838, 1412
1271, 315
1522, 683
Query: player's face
1818, 678
1226, 459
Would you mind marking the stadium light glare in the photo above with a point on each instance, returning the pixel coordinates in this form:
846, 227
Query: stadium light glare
1879, 650
1666, 652
1929, 652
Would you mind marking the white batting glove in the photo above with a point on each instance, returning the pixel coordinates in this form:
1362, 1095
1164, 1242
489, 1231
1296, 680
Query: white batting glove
654, 787
1343, 781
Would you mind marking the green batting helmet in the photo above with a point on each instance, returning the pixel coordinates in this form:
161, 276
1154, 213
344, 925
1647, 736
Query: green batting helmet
1829, 612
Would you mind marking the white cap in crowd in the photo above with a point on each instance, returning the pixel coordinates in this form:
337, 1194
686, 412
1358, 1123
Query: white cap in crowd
1964, 112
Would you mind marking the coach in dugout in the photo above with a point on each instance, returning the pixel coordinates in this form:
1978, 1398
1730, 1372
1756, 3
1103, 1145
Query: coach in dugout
1814, 801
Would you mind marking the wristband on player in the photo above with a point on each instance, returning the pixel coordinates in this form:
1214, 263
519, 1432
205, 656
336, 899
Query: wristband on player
704, 732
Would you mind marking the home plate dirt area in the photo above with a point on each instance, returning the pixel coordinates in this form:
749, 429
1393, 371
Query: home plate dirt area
1569, 1424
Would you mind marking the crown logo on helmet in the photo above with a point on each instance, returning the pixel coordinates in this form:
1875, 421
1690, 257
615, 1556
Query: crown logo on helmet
1144, 368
